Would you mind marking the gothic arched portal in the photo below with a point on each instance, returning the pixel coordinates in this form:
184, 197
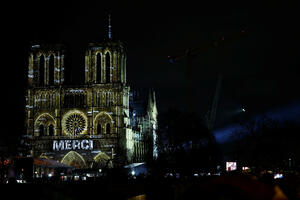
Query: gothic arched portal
74, 159
102, 160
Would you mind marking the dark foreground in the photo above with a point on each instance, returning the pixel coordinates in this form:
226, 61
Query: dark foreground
210, 187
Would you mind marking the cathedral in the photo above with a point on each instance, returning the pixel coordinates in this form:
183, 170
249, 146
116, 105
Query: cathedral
96, 124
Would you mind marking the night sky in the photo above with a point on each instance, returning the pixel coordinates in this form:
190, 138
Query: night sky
260, 71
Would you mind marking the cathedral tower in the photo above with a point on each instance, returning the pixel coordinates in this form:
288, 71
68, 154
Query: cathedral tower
45, 73
46, 65
105, 63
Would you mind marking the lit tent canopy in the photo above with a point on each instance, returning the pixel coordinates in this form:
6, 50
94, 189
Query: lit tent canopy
42, 162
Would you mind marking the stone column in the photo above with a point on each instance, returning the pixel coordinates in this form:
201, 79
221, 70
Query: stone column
58, 130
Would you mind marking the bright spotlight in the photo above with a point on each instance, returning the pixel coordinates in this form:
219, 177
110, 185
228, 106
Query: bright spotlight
243, 110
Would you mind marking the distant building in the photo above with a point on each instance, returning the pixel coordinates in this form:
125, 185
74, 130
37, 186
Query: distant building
143, 119
96, 124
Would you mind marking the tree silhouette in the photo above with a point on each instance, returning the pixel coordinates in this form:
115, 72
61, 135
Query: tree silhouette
185, 143
267, 143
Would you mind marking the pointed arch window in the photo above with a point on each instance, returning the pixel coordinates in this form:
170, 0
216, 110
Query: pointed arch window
123, 69
98, 67
107, 67
42, 70
51, 130
41, 130
98, 129
51, 70
108, 128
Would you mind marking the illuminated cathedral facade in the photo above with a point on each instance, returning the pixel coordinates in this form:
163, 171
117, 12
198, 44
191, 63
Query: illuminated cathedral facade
88, 125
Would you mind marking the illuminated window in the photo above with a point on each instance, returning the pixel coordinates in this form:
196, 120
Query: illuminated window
107, 67
98, 63
108, 128
51, 70
51, 130
42, 70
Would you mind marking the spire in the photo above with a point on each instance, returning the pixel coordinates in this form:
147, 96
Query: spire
150, 103
154, 102
109, 27
153, 98
152, 110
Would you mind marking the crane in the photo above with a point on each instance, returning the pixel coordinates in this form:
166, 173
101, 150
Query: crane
210, 116
191, 53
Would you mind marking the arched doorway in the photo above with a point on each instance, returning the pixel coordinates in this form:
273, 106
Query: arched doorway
74, 159
102, 160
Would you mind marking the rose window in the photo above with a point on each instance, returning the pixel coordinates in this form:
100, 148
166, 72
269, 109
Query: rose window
75, 124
